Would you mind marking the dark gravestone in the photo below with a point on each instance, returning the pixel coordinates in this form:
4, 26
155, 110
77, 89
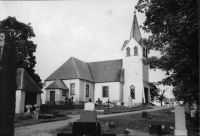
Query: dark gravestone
8, 68
88, 117
90, 100
66, 99
99, 102
86, 128
108, 103
155, 130
144, 114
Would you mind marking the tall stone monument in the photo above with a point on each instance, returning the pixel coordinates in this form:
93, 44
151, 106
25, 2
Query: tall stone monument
180, 124
130, 103
8, 68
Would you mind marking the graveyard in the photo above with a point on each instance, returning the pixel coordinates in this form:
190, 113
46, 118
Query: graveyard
51, 113
133, 124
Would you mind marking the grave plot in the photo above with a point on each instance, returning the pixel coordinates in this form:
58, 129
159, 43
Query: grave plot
86, 125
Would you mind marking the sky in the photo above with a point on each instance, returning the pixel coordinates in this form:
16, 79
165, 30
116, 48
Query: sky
88, 30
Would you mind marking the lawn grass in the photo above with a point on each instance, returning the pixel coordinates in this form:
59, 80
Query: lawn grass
136, 122
25, 120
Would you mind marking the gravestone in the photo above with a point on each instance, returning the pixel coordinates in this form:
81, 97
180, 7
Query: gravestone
118, 103
90, 100
180, 124
88, 117
125, 104
130, 102
108, 102
66, 99
99, 102
144, 114
155, 130
89, 106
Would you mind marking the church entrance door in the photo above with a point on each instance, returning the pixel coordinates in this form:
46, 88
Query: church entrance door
52, 96
146, 95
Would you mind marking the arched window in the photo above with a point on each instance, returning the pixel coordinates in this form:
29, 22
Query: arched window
135, 50
128, 52
132, 91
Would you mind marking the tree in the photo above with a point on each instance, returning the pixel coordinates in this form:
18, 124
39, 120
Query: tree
161, 97
174, 28
8, 68
21, 34
153, 91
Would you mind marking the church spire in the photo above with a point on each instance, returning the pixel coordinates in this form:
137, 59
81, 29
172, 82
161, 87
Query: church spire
135, 31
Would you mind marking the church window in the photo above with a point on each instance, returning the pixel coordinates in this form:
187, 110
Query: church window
87, 91
135, 50
72, 88
105, 91
144, 52
128, 52
132, 91
64, 93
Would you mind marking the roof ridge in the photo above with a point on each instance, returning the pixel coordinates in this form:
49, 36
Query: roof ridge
90, 72
75, 67
104, 61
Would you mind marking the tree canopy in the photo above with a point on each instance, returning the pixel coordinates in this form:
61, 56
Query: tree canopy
173, 25
21, 34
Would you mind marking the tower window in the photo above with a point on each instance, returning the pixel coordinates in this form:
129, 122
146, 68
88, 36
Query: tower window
135, 50
128, 52
132, 91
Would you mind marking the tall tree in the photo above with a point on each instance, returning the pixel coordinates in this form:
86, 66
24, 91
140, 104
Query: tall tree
21, 34
174, 28
8, 68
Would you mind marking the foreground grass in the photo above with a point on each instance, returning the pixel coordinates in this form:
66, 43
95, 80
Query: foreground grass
136, 122
30, 121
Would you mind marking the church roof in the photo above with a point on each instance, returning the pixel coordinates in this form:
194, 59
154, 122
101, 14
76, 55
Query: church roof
72, 69
26, 83
103, 71
57, 84
106, 71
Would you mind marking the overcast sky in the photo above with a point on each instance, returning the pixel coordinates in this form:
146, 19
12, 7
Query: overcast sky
88, 30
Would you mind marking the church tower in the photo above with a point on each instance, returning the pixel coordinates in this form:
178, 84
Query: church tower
136, 74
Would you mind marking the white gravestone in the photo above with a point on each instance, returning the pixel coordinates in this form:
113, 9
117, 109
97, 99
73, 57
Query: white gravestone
180, 125
125, 104
89, 106
118, 103
133, 104
130, 105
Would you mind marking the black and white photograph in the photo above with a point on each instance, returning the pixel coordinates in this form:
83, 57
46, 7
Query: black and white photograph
99, 68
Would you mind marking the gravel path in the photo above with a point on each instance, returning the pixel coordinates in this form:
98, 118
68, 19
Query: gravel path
44, 128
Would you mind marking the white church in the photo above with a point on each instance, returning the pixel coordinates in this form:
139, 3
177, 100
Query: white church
116, 80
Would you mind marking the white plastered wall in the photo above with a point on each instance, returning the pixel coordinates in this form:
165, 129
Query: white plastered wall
133, 72
20, 101
114, 91
44, 94
77, 88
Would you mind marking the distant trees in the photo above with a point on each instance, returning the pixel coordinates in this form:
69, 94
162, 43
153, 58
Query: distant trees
174, 28
157, 93
20, 34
